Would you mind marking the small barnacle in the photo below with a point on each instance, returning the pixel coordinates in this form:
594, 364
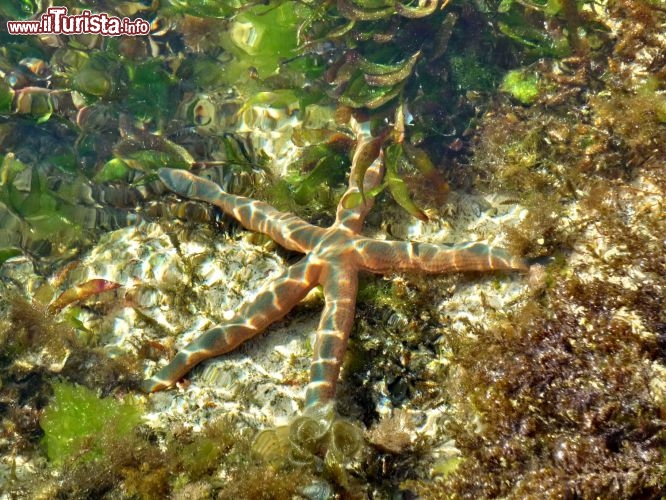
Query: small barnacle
345, 439
201, 112
199, 490
306, 434
537, 277
317, 490
272, 445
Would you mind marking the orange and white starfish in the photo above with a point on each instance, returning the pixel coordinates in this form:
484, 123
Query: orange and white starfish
333, 258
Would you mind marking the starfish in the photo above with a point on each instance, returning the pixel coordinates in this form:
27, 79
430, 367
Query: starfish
333, 258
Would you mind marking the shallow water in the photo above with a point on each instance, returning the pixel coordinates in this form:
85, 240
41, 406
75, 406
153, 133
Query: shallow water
539, 128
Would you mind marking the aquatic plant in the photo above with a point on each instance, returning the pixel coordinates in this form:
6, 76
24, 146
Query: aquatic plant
78, 422
565, 397
60, 107
522, 86
32, 215
25, 334
123, 106
186, 464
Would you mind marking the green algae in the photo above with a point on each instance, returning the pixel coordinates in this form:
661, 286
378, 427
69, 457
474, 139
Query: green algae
327, 169
271, 47
151, 90
187, 463
260, 37
6, 97
470, 73
206, 8
567, 380
78, 423
33, 214
521, 85
20, 9
92, 81
113, 170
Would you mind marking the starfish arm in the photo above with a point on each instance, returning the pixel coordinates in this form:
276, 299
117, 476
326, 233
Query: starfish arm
272, 303
286, 229
340, 285
354, 216
388, 256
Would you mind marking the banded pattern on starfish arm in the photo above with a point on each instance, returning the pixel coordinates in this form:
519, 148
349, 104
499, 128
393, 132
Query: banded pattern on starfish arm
333, 258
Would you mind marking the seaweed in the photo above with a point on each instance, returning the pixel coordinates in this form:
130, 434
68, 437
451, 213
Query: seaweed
184, 466
77, 422
561, 396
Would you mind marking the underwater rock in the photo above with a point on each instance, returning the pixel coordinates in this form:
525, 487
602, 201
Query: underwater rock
178, 279
175, 283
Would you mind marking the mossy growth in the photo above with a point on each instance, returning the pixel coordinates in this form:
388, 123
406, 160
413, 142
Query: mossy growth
35, 350
266, 483
471, 74
33, 214
563, 396
78, 422
522, 85
33, 340
260, 37
30, 328
559, 400
178, 464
